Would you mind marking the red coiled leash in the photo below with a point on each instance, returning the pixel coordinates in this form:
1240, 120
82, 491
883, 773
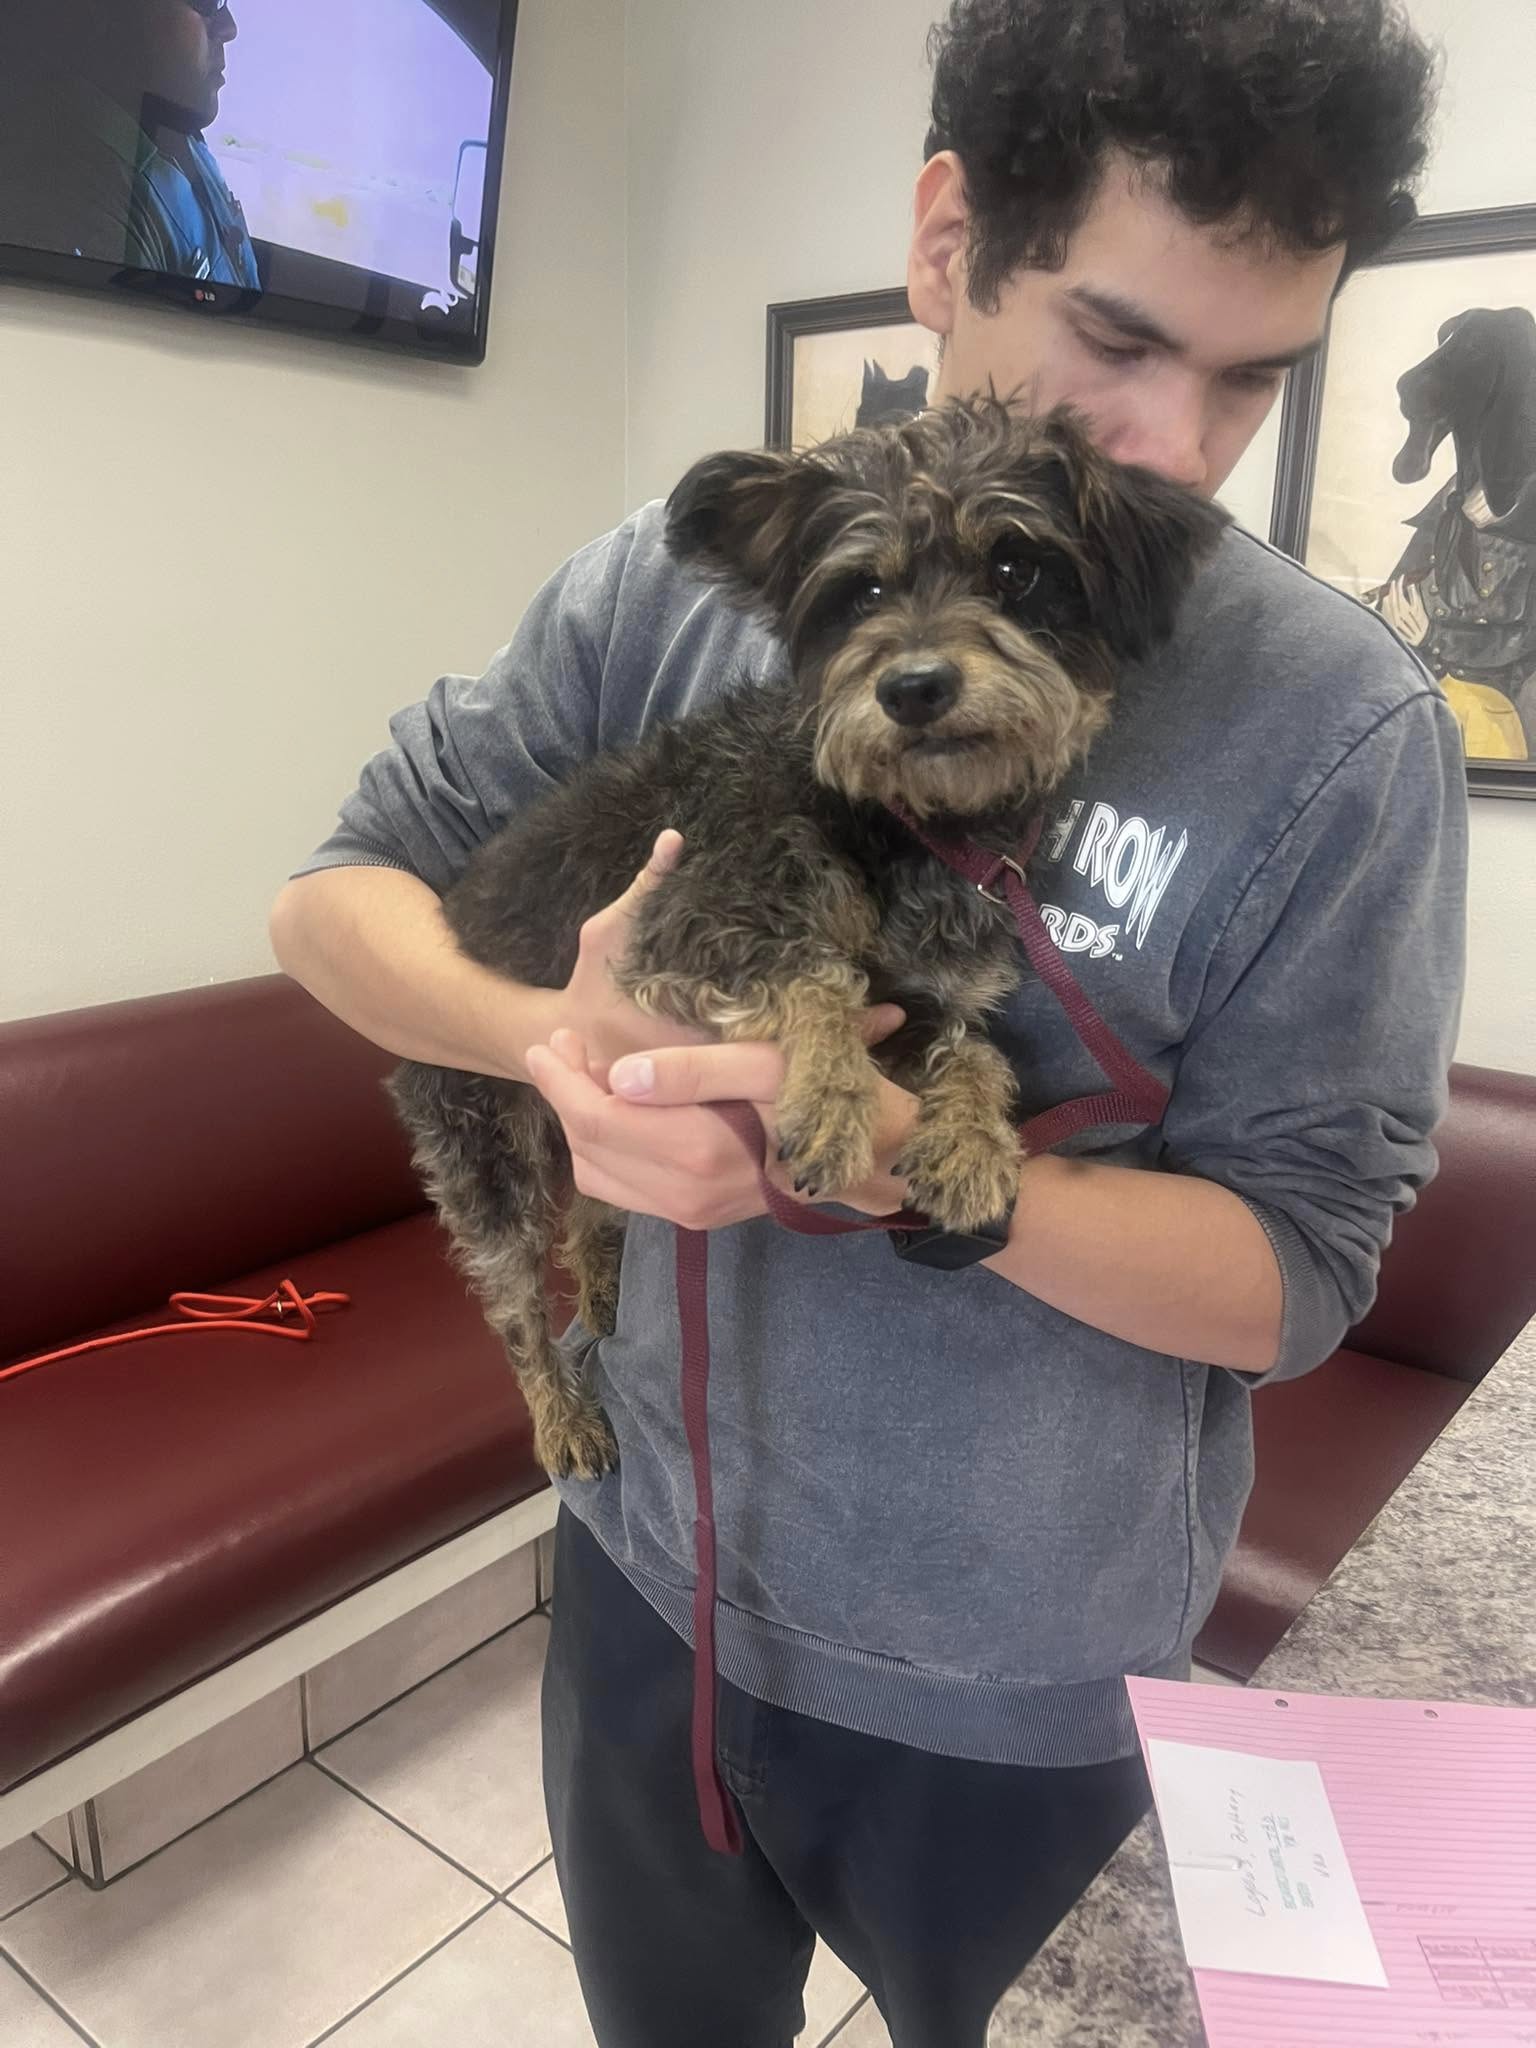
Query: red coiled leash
1136, 1097
215, 1312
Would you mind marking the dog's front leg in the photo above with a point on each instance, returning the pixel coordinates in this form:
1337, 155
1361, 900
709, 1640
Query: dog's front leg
767, 953
962, 1161
828, 1101
826, 1107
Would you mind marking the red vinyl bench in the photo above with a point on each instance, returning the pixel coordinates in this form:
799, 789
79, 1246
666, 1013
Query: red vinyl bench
189, 1520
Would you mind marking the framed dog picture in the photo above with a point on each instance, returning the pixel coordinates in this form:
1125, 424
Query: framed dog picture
1408, 469
856, 361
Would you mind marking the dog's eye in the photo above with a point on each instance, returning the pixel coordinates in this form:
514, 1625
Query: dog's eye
1013, 577
866, 595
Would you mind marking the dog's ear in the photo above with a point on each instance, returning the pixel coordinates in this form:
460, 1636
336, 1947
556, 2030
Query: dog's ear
1144, 540
739, 519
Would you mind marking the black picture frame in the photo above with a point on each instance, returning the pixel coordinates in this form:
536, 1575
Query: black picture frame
794, 318
1492, 231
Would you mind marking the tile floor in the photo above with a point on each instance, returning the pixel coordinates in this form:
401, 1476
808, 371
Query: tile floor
392, 1891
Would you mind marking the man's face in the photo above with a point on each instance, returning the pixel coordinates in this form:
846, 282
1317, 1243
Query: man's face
1171, 345
182, 53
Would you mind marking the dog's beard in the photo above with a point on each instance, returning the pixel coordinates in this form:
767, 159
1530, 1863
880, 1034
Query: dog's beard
1020, 723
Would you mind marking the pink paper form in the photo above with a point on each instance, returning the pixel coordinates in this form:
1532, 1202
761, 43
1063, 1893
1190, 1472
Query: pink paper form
1435, 1804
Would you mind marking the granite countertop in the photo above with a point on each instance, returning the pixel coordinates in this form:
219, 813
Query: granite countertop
1434, 1602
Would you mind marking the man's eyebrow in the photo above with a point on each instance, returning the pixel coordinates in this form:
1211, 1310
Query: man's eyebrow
1136, 324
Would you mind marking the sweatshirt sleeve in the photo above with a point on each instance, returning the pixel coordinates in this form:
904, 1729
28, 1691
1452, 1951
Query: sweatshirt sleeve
476, 750
1318, 1064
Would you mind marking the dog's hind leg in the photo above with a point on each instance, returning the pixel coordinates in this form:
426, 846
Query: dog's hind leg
492, 1158
591, 1252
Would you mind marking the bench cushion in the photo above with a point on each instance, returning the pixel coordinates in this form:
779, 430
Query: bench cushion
1330, 1450
167, 1141
168, 1505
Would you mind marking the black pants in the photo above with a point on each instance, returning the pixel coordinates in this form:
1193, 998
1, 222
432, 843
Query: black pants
934, 1879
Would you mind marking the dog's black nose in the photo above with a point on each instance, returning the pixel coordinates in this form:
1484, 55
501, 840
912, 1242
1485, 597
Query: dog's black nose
920, 692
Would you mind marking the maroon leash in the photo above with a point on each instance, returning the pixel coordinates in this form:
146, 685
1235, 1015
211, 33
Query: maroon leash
1136, 1097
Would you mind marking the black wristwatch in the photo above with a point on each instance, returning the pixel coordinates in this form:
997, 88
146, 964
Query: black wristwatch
951, 1249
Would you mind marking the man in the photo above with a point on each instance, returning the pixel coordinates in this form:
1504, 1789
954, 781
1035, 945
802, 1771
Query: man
955, 1509
101, 144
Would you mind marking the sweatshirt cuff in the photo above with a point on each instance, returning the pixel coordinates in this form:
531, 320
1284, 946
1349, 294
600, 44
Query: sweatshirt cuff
1312, 1320
345, 851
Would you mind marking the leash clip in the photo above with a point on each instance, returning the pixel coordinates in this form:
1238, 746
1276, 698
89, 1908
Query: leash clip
1003, 861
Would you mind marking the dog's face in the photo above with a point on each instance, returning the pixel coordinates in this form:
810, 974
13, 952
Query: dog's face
956, 593
1480, 385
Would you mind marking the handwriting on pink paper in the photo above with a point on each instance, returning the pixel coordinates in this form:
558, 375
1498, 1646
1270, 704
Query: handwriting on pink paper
1435, 1807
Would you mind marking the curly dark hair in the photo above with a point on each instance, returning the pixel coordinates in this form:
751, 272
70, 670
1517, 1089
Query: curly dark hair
1303, 123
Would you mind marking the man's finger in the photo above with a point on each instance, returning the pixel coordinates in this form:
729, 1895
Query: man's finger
664, 856
750, 1071
881, 1021
568, 1046
569, 1093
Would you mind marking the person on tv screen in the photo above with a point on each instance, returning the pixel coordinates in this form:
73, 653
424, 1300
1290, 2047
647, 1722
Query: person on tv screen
101, 136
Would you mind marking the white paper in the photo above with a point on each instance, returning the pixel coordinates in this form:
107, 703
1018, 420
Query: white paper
1260, 1878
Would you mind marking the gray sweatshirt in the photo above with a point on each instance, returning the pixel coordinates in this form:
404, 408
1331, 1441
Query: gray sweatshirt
949, 1514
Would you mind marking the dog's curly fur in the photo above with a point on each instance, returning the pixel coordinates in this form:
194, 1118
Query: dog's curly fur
955, 596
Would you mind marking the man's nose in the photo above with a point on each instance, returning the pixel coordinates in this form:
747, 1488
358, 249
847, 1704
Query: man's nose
225, 27
1168, 437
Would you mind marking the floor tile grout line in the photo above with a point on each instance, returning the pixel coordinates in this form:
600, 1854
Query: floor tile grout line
293, 1766
409, 1970
532, 1871
47, 1998
384, 1813
46, 1892
131, 1870
63, 1861
384, 1706
310, 1757
522, 1914
846, 2021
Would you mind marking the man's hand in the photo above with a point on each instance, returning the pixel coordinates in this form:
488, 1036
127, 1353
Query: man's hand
653, 1148
608, 1023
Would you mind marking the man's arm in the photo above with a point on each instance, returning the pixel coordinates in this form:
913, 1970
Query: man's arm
1305, 1097
373, 946
1167, 1262
1163, 1260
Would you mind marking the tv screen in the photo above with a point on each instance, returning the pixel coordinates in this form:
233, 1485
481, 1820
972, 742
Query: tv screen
330, 164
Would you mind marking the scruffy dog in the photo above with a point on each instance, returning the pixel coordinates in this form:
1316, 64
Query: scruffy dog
955, 596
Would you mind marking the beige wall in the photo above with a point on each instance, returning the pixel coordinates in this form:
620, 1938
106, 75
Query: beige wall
771, 156
226, 558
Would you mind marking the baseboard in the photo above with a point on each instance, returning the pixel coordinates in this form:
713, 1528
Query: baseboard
165, 1727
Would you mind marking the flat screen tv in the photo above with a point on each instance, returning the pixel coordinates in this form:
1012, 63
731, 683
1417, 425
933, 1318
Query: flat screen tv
327, 164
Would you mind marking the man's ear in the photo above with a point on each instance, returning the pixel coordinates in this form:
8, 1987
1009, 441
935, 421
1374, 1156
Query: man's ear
738, 519
1145, 538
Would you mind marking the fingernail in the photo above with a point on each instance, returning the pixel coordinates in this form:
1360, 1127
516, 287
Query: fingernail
633, 1076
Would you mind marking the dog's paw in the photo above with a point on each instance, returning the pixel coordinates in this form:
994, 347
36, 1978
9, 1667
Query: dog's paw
826, 1140
577, 1445
961, 1176
597, 1301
